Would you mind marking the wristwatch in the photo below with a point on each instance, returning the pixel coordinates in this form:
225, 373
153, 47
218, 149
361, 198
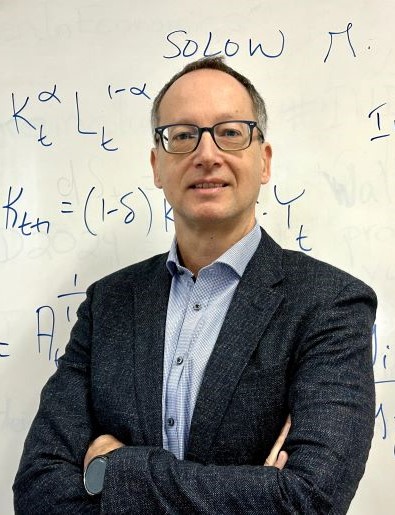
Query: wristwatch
94, 474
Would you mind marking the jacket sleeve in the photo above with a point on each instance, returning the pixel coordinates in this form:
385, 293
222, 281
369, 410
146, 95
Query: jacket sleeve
331, 400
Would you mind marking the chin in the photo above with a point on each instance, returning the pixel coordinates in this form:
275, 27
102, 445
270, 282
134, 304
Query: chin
214, 219
210, 215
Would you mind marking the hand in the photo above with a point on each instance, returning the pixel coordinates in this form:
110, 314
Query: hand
101, 445
278, 458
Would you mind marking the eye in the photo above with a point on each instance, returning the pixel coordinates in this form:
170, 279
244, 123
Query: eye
182, 134
230, 130
230, 133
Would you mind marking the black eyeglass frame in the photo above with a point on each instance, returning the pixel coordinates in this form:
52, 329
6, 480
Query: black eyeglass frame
251, 125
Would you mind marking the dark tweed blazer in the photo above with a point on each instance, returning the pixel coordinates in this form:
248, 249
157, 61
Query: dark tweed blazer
296, 339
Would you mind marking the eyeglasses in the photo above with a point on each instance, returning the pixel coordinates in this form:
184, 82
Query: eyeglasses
184, 138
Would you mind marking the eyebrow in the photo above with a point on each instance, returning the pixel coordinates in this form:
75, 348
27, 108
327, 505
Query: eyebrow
218, 119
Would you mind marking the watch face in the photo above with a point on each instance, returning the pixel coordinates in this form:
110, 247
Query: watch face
94, 475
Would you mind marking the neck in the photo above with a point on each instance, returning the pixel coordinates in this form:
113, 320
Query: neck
200, 246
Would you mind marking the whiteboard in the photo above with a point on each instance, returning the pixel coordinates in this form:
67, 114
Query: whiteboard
76, 193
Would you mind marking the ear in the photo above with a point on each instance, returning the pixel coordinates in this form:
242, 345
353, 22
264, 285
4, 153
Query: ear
266, 155
155, 167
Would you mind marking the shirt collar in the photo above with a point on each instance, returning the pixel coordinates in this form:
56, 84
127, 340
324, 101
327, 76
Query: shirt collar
236, 257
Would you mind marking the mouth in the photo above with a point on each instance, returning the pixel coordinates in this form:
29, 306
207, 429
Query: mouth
208, 185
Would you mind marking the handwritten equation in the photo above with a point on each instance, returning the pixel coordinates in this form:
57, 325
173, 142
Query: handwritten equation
383, 122
384, 370
18, 217
24, 120
96, 209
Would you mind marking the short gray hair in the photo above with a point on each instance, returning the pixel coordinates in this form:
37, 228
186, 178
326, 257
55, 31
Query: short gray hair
214, 63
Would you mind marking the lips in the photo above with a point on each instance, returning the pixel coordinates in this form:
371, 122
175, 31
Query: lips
208, 185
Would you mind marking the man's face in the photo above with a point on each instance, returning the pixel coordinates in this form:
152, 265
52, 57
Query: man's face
204, 98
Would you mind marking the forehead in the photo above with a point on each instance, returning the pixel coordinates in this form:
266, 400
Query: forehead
204, 93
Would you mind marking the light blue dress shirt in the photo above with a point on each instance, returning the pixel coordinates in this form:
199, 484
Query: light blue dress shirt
195, 314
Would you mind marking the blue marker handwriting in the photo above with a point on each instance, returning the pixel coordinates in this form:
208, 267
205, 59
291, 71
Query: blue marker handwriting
341, 35
16, 217
287, 202
382, 357
168, 214
4, 350
384, 371
383, 127
95, 207
24, 120
187, 47
183, 45
20, 219
47, 322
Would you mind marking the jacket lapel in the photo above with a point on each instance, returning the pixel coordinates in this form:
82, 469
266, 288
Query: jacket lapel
150, 299
249, 314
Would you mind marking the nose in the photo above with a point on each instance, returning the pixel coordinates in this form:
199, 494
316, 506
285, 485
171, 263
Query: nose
207, 153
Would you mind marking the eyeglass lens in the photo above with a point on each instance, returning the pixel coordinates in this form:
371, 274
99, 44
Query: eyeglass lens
227, 135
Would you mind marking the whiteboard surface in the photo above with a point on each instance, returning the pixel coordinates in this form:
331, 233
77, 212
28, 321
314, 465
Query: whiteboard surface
76, 195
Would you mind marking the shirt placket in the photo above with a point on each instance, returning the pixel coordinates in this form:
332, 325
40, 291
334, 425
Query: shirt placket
178, 386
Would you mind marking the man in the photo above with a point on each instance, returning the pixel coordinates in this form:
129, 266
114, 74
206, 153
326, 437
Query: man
182, 369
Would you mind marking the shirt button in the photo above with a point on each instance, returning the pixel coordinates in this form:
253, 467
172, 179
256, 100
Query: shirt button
197, 307
180, 360
170, 421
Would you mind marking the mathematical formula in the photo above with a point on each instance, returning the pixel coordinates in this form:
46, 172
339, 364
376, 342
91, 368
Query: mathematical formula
96, 209
22, 118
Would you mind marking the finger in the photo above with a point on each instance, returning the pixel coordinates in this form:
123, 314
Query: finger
281, 460
283, 435
285, 429
272, 458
